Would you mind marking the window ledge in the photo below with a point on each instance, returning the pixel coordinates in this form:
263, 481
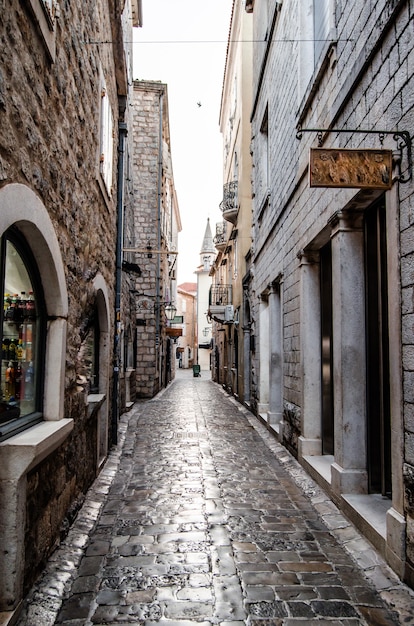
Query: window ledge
95, 401
20, 453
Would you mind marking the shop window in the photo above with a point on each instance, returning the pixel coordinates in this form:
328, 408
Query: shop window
22, 323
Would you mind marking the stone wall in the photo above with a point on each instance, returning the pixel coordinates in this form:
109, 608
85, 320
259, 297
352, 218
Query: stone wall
363, 80
49, 141
152, 287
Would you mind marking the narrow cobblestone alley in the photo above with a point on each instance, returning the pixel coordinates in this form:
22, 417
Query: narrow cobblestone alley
201, 517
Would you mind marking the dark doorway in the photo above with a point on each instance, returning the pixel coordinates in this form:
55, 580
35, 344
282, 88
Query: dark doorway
327, 350
378, 381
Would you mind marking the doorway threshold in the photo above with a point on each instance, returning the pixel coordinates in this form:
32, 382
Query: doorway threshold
368, 512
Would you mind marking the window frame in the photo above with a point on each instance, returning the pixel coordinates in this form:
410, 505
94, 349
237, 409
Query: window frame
16, 238
45, 13
106, 139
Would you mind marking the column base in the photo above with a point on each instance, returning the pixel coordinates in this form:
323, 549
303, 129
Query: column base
396, 546
309, 447
348, 480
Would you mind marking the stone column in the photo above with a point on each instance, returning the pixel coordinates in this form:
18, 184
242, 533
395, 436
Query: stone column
348, 472
310, 442
246, 364
263, 405
275, 412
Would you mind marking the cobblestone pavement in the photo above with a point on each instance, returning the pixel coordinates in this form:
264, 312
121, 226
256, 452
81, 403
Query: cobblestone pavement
201, 517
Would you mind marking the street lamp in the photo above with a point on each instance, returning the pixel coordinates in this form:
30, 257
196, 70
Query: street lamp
170, 311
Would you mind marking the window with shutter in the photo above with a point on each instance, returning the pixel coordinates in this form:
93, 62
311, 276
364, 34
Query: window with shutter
106, 139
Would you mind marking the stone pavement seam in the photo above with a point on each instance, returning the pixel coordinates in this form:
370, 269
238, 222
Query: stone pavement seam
395, 594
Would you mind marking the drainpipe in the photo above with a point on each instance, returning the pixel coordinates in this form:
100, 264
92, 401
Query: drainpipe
157, 289
122, 131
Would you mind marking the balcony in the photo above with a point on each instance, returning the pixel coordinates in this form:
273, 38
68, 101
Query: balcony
230, 204
220, 238
220, 307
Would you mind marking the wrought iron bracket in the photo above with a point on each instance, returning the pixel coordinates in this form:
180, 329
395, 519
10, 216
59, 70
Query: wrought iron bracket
401, 137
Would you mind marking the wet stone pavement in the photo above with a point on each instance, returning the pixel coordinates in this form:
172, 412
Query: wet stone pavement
201, 517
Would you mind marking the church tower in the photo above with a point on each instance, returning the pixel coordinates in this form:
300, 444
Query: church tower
207, 256
208, 251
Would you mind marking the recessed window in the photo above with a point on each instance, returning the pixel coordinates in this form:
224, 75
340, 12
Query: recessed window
106, 139
22, 324
45, 13
90, 355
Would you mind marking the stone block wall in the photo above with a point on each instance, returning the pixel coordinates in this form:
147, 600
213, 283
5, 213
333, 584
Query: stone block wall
364, 81
49, 142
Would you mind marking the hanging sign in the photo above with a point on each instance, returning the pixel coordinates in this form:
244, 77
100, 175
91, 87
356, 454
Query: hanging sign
364, 169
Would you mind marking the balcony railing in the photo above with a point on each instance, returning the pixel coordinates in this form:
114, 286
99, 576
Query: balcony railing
220, 295
220, 238
230, 205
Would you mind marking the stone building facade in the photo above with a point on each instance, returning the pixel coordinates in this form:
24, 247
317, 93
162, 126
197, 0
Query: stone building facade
63, 94
230, 297
331, 273
157, 224
186, 347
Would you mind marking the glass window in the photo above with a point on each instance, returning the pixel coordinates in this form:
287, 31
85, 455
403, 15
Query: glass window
22, 322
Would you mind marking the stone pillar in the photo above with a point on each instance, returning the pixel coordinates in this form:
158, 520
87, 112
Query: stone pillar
263, 405
348, 472
275, 412
310, 442
246, 364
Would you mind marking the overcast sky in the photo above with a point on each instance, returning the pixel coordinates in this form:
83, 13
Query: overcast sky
183, 43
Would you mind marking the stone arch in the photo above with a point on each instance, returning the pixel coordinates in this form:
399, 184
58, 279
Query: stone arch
22, 208
104, 319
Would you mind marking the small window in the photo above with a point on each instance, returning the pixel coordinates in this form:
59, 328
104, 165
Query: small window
106, 140
22, 324
45, 13
90, 355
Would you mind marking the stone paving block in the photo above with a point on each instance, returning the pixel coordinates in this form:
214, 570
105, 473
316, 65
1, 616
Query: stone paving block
202, 524
186, 610
97, 548
85, 584
333, 608
75, 607
258, 594
90, 565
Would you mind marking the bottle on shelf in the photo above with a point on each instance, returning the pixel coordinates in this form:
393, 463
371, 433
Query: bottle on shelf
30, 306
11, 303
18, 382
12, 350
9, 380
20, 351
5, 348
21, 307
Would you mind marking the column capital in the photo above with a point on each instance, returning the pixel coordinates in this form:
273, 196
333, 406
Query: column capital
308, 257
345, 221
